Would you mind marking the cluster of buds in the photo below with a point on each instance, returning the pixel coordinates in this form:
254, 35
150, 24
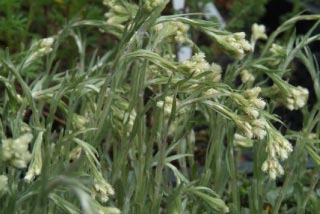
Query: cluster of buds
254, 125
249, 102
211, 92
277, 50
273, 167
296, 98
242, 141
247, 76
256, 128
278, 148
3, 185
101, 188
150, 5
181, 32
234, 44
15, 151
75, 153
119, 12
79, 122
258, 32
175, 29
166, 104
216, 69
40, 49
122, 117
44, 46
292, 97
197, 63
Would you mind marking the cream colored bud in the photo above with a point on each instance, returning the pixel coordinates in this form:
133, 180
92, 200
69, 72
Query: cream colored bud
246, 76
252, 93
265, 166
259, 103
258, 32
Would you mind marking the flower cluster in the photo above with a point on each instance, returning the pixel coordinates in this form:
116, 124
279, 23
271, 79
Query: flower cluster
181, 32
40, 48
102, 188
216, 69
296, 98
234, 44
15, 151
273, 167
254, 125
79, 121
277, 50
43, 46
173, 29
166, 104
150, 5
246, 76
75, 153
278, 148
258, 32
197, 63
119, 12
122, 117
292, 97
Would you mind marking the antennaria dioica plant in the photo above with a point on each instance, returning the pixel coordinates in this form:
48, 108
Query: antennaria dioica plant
115, 133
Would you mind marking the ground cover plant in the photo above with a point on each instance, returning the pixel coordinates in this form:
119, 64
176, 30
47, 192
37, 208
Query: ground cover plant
115, 129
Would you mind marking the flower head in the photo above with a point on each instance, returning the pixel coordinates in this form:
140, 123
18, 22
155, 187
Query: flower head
246, 76
258, 32
197, 63
15, 151
101, 187
242, 141
234, 44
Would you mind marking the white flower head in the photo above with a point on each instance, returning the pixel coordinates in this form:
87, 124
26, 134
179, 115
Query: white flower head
277, 50
296, 97
246, 76
245, 128
252, 93
234, 44
242, 141
258, 103
102, 188
16, 152
166, 104
258, 32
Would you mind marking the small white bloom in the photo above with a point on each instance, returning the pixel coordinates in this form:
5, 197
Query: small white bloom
258, 103
252, 93
242, 141
47, 42
277, 50
245, 128
258, 32
166, 104
246, 76
252, 112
